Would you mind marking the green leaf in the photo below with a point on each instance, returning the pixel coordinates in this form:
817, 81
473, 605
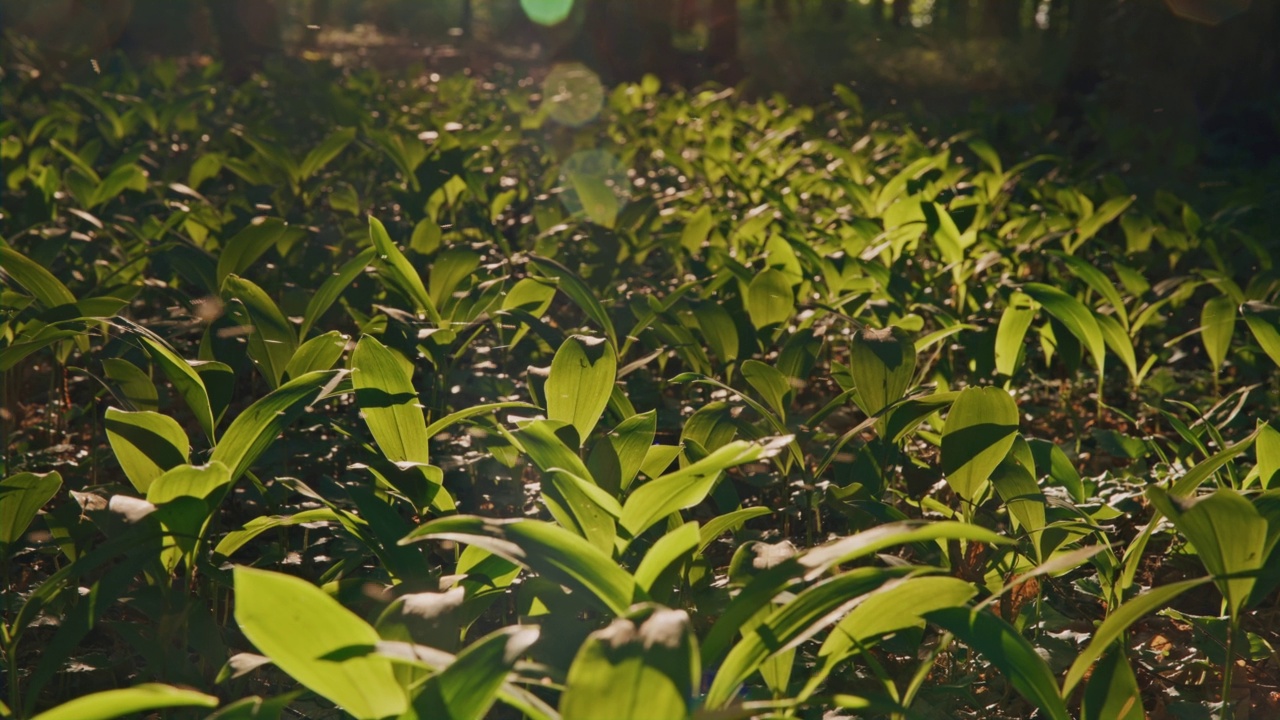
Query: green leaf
146, 444
799, 619
719, 330
135, 385
1217, 324
257, 427
582, 506
729, 521
583, 372
21, 497
1112, 692
454, 418
772, 385
237, 539
1074, 316
319, 353
273, 340
318, 642
547, 549
882, 363
33, 276
897, 606
110, 704
1117, 622
770, 299
389, 402
640, 667
186, 381
1095, 279
1268, 452
696, 229
1228, 533
247, 246
683, 488
467, 688
1005, 648
1012, 332
631, 441
570, 284
449, 270
542, 442
1264, 322
398, 272
1110, 210
667, 551
1120, 343
186, 498
219, 382
816, 562
331, 289
327, 150
979, 433
1017, 487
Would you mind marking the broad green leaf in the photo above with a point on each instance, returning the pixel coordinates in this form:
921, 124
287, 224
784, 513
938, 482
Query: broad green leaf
327, 150
273, 340
1016, 485
727, 522
668, 550
21, 497
1110, 210
799, 619
658, 458
582, 506
33, 276
1217, 324
1264, 322
186, 498
816, 562
640, 667
583, 372
1052, 461
454, 418
1228, 533
683, 488
219, 383
1074, 316
1011, 333
237, 539
772, 385
247, 246
696, 229
389, 402
882, 363
447, 273
1268, 451
1112, 692
1120, 343
550, 550
896, 606
400, 273
257, 427
1095, 279
186, 381
770, 299
319, 353
47, 336
324, 646
1117, 622
718, 329
135, 385
570, 284
110, 704
631, 441
467, 688
1005, 648
146, 444
542, 442
979, 432
331, 289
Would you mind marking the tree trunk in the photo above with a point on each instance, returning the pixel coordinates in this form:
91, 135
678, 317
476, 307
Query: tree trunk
248, 33
722, 46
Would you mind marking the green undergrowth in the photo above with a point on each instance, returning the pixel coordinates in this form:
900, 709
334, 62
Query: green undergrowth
414, 397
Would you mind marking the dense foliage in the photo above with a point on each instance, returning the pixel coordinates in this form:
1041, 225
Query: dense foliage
439, 398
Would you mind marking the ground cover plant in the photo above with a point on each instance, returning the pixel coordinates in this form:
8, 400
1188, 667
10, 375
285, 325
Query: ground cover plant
349, 394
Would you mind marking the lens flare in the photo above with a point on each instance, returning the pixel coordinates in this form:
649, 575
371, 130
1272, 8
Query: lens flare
547, 12
573, 94
594, 184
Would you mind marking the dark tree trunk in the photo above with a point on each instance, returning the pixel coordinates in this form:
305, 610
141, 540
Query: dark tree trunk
1002, 18
722, 47
901, 13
